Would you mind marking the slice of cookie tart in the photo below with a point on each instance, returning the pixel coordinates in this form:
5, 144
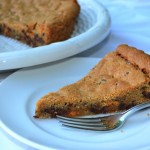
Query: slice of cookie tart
119, 81
38, 22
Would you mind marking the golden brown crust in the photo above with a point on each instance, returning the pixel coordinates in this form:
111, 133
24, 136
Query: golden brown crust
136, 57
112, 85
38, 22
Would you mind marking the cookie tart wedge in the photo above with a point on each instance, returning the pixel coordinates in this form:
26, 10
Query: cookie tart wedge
38, 22
119, 81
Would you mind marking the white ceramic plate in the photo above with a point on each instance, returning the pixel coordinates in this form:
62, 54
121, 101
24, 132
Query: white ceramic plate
18, 96
93, 25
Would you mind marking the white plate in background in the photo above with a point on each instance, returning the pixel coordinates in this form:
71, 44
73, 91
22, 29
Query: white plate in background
92, 27
20, 91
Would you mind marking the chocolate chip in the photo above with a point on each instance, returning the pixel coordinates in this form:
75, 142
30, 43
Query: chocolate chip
126, 73
53, 111
144, 71
36, 116
38, 39
122, 106
95, 108
146, 94
23, 31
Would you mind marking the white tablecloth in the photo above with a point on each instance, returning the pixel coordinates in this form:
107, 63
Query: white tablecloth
130, 25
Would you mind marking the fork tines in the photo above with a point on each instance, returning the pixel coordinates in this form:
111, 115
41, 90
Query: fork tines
82, 123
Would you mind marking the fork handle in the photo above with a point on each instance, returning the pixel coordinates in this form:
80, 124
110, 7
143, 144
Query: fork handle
136, 108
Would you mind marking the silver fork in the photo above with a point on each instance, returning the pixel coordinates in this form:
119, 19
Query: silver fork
105, 122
